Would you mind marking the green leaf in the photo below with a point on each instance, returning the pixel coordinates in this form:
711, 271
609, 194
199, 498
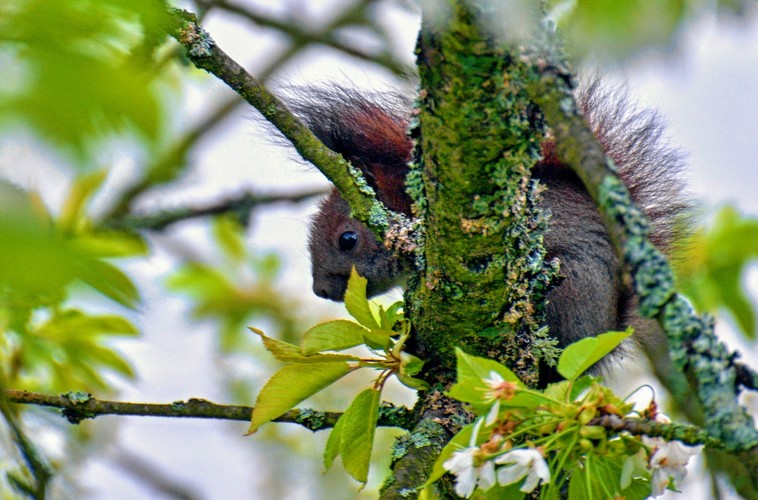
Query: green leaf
358, 433
410, 364
110, 281
378, 339
392, 315
620, 28
37, 260
413, 383
512, 491
580, 356
600, 477
712, 273
357, 303
108, 358
290, 353
333, 336
334, 443
291, 385
558, 390
83, 188
72, 322
112, 244
81, 79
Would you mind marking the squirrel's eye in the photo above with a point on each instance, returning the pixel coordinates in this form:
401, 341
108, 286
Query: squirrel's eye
348, 240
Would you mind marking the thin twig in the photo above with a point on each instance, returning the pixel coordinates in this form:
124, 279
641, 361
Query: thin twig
81, 406
302, 35
242, 205
35, 461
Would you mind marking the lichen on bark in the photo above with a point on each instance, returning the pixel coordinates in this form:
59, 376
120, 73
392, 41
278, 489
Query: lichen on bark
478, 135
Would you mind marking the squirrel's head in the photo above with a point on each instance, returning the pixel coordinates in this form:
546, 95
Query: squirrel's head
338, 242
373, 138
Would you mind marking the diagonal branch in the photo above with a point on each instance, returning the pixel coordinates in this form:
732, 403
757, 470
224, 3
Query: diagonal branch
693, 346
205, 54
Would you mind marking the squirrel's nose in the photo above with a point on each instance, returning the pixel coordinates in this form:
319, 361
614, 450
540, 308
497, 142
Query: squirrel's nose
328, 290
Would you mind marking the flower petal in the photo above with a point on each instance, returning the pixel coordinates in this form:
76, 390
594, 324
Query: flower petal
509, 475
487, 475
493, 413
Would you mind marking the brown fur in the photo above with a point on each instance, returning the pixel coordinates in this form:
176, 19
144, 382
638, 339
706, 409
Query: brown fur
590, 299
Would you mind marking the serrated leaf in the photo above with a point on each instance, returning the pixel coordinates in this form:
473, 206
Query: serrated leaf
357, 303
378, 339
391, 316
332, 336
291, 385
334, 443
578, 357
290, 353
358, 433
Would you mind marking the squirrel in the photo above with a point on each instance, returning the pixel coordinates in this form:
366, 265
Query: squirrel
590, 298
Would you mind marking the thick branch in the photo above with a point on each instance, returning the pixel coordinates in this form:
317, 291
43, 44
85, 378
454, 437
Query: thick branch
485, 274
687, 434
693, 346
80, 406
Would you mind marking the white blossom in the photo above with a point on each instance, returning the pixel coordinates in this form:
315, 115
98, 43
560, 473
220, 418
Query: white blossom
526, 462
463, 463
493, 382
668, 461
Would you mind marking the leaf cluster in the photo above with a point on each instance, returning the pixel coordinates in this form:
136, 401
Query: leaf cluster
585, 459
313, 365
46, 47
713, 271
47, 343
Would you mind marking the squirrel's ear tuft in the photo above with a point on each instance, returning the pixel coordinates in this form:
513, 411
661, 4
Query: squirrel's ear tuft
368, 129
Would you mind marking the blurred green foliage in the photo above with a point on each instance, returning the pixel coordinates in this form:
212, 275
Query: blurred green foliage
713, 272
236, 288
619, 29
70, 72
45, 343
